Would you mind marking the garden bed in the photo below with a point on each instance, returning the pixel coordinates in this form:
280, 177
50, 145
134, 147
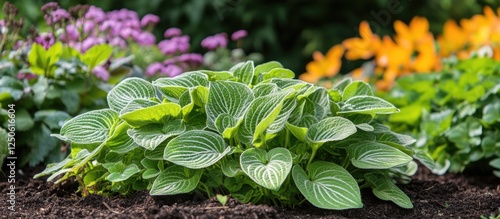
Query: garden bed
448, 196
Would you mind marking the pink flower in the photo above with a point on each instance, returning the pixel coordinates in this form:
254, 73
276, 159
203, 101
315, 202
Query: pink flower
239, 35
118, 41
215, 41
172, 32
101, 72
96, 14
72, 32
46, 40
154, 68
149, 19
145, 38
172, 70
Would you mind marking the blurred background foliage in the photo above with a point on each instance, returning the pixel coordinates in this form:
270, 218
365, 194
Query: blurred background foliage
285, 31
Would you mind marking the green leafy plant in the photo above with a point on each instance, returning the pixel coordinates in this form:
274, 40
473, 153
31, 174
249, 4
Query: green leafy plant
252, 132
455, 115
48, 87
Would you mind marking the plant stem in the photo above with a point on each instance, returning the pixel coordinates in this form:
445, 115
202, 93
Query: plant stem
315, 147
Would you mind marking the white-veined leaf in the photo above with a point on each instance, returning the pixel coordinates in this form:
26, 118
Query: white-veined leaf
137, 105
278, 73
368, 105
121, 173
196, 149
327, 186
174, 87
128, 90
244, 71
175, 180
264, 89
268, 169
280, 121
150, 136
331, 129
260, 115
119, 141
227, 97
385, 189
155, 114
231, 168
374, 155
357, 88
90, 127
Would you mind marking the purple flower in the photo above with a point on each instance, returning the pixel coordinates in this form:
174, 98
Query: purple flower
154, 68
172, 32
192, 59
72, 32
239, 35
46, 40
149, 19
59, 14
96, 14
215, 41
23, 75
127, 32
91, 41
172, 70
101, 72
49, 7
145, 38
174, 45
118, 41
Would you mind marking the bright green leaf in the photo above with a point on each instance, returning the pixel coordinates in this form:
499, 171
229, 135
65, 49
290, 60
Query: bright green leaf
374, 155
327, 185
196, 149
268, 169
175, 180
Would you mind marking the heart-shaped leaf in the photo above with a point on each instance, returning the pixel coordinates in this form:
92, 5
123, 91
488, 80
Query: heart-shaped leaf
331, 129
227, 97
196, 149
268, 169
128, 90
374, 155
175, 180
327, 186
90, 127
368, 105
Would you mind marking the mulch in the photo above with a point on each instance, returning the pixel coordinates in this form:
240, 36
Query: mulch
467, 195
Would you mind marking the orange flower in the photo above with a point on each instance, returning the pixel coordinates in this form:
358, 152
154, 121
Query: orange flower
393, 55
410, 35
323, 66
426, 59
364, 47
452, 40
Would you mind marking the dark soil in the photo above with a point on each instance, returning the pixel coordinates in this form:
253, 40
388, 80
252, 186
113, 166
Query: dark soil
448, 196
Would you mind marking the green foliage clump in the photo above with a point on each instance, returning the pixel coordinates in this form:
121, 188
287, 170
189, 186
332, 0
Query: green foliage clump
253, 132
455, 115
46, 87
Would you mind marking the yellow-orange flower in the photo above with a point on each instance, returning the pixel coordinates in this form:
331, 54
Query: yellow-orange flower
410, 35
364, 47
452, 40
323, 65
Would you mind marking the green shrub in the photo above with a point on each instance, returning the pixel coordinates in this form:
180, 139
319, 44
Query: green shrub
454, 114
252, 132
